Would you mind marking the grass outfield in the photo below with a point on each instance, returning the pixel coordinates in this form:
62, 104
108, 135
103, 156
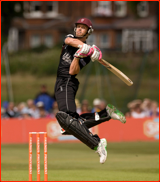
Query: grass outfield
127, 161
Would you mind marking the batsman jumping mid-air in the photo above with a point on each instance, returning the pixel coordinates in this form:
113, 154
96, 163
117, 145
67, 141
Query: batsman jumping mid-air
74, 56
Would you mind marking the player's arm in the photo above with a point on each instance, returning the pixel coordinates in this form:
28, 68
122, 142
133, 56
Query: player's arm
73, 42
96, 54
74, 67
84, 49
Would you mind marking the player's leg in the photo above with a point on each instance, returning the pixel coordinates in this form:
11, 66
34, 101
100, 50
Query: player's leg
110, 112
65, 96
92, 119
71, 122
66, 102
77, 129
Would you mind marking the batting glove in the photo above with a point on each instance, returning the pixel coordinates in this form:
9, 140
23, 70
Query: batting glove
83, 51
97, 54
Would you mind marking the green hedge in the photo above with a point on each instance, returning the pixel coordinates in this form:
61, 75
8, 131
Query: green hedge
42, 61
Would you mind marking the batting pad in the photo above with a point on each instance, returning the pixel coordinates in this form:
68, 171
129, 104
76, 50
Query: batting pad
77, 129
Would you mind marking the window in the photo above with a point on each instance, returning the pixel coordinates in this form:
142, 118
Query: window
137, 40
143, 9
35, 10
35, 41
91, 39
104, 41
118, 39
48, 40
52, 8
104, 8
35, 6
120, 8
17, 7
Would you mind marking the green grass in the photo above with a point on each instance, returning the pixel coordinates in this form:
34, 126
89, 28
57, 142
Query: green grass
127, 161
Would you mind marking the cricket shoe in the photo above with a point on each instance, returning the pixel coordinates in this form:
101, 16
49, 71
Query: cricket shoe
115, 113
101, 150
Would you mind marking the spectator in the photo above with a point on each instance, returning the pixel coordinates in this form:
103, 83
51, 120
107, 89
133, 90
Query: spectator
102, 105
10, 112
22, 110
21, 106
96, 105
2, 112
136, 110
5, 105
42, 112
130, 106
44, 97
128, 114
30, 103
146, 106
25, 113
34, 112
54, 110
154, 109
78, 106
85, 107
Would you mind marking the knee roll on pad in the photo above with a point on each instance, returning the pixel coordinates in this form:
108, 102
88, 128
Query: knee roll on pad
73, 114
74, 127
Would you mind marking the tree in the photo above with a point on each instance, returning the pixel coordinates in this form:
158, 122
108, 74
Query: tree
9, 10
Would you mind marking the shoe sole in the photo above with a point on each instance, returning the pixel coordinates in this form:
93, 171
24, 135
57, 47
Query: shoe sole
105, 141
112, 108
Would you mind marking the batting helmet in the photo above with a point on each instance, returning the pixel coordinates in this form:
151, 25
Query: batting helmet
86, 22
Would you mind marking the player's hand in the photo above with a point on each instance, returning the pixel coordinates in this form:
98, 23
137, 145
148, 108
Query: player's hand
97, 54
83, 51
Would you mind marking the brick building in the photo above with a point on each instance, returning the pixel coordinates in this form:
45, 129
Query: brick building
116, 27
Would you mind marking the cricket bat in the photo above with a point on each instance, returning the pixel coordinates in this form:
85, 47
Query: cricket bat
116, 71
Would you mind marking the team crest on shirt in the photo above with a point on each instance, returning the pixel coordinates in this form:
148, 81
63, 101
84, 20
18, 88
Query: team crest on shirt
67, 58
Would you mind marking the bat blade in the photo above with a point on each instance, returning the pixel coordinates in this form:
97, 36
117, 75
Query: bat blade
116, 71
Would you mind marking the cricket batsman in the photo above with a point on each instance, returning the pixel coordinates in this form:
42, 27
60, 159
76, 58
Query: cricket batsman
74, 56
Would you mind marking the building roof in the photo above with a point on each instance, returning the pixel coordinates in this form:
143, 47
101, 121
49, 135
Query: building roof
146, 23
130, 23
56, 23
126, 23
